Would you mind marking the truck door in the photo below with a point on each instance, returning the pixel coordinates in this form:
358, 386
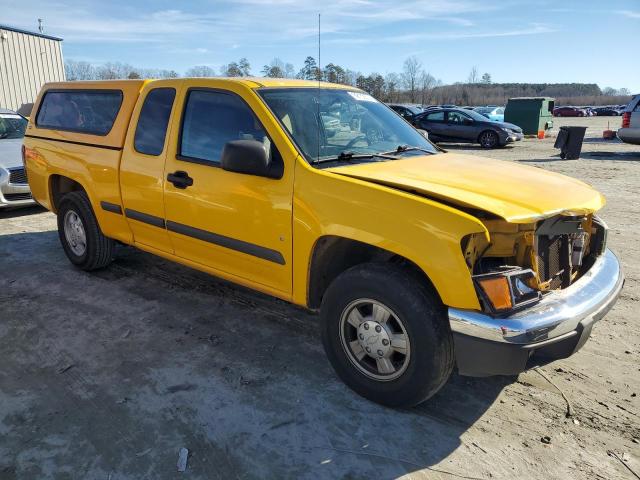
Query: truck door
142, 166
237, 224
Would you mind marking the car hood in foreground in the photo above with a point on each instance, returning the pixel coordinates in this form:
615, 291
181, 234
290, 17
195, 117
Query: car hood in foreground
518, 193
10, 152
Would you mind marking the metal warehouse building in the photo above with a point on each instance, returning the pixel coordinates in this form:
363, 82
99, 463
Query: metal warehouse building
28, 60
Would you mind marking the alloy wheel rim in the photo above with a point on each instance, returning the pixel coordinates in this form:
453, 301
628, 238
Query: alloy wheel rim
375, 339
488, 139
74, 233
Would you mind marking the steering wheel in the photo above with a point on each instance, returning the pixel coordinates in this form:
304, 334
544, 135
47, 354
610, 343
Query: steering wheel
355, 140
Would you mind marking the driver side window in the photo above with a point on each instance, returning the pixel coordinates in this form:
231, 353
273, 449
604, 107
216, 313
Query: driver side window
456, 118
213, 118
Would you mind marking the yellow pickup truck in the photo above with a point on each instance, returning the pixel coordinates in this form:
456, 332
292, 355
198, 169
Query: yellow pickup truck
418, 260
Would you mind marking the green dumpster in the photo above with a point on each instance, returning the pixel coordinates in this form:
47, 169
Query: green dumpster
533, 114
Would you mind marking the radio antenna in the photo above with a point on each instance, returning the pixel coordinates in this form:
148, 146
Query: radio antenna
319, 75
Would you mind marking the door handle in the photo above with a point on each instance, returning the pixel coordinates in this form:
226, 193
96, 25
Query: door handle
180, 179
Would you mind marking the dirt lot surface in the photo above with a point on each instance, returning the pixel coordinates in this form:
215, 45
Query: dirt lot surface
107, 375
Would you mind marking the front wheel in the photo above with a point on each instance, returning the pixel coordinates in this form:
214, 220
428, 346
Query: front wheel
386, 334
488, 139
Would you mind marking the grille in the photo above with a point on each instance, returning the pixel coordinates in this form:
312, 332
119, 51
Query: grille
18, 176
13, 197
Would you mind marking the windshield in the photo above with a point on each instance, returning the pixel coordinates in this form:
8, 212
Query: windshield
484, 109
325, 122
12, 125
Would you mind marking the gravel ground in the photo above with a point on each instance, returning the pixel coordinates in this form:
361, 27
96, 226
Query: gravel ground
107, 375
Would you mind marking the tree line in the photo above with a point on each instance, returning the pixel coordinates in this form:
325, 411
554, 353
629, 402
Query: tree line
414, 84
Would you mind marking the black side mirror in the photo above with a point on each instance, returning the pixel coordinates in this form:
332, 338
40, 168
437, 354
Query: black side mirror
246, 156
467, 121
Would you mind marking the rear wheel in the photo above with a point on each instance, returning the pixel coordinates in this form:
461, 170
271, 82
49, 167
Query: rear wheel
80, 235
488, 139
386, 334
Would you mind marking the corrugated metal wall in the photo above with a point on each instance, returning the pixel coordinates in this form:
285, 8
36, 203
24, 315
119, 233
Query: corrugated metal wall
26, 63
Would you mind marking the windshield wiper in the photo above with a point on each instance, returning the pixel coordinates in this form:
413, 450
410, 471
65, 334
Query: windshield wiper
408, 148
347, 155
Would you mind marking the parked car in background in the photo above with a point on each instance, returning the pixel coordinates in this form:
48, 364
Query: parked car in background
14, 189
405, 111
467, 126
630, 130
569, 112
608, 111
491, 112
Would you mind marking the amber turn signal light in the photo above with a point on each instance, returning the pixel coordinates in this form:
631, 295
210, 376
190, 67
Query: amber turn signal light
497, 291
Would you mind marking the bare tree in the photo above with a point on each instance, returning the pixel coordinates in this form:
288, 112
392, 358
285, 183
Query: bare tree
200, 71
427, 83
79, 70
473, 75
410, 73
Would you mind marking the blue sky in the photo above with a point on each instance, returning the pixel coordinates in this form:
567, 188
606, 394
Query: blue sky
515, 41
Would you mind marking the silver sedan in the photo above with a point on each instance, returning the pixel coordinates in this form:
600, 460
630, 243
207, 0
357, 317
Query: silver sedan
14, 188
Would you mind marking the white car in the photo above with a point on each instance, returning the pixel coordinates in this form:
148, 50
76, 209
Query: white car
630, 131
14, 188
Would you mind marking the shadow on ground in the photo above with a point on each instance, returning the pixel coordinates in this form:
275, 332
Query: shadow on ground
20, 212
111, 373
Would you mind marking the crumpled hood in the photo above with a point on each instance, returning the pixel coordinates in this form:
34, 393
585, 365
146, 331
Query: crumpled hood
10, 152
518, 193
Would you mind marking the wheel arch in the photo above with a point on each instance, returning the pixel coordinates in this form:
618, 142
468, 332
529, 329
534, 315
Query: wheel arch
485, 130
59, 185
332, 255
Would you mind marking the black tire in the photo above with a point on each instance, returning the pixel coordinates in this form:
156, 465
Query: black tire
488, 139
423, 316
99, 250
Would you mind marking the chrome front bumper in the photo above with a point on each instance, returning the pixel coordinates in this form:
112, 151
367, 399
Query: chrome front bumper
564, 317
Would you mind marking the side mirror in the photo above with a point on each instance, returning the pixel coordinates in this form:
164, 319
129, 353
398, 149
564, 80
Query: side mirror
467, 121
424, 133
246, 156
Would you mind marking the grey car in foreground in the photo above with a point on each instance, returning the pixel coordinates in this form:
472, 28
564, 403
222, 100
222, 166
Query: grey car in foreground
459, 125
14, 188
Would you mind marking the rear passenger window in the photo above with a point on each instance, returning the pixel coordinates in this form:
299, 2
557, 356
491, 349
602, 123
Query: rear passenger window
83, 111
153, 121
435, 117
211, 119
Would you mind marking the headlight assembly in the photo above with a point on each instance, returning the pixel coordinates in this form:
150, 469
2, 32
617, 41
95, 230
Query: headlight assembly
507, 289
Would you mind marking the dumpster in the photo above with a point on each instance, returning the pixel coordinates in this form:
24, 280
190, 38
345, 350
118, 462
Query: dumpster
569, 141
533, 114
